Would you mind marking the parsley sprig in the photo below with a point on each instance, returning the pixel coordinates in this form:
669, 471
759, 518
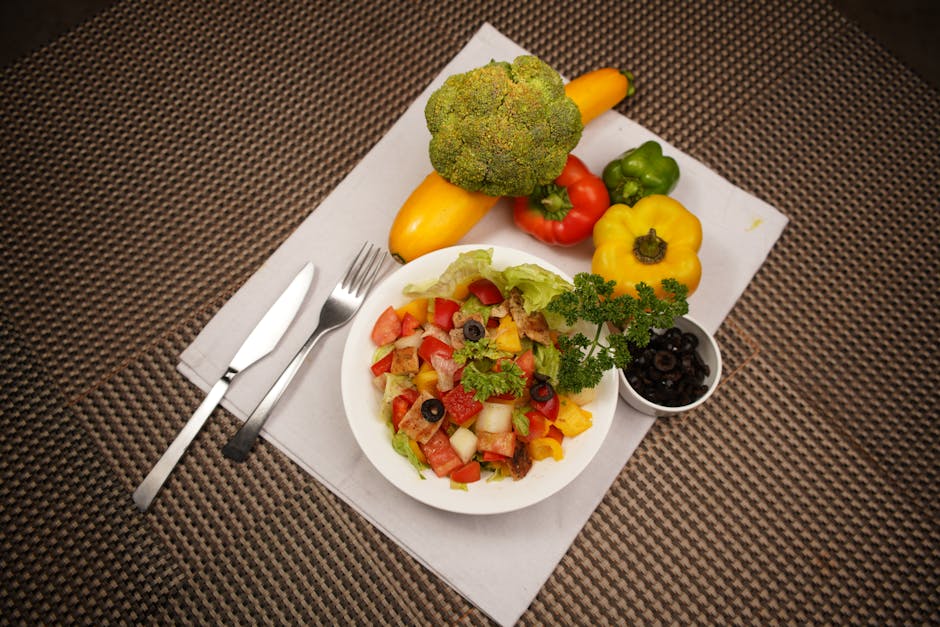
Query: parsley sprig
485, 348
584, 360
508, 380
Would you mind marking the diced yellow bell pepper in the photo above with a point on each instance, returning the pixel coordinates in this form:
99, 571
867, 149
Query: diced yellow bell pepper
417, 451
426, 379
572, 419
507, 336
542, 448
461, 292
417, 308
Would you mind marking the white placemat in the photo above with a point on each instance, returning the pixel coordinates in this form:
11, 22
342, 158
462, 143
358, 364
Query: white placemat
480, 556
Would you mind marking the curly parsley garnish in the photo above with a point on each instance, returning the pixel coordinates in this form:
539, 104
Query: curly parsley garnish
485, 348
509, 380
584, 360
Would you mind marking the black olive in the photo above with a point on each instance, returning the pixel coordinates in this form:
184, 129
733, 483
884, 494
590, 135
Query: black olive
542, 392
538, 376
473, 330
432, 409
664, 361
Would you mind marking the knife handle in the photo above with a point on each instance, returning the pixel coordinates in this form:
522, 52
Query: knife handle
241, 443
147, 490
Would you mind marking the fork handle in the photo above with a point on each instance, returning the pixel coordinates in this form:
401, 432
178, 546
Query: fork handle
241, 443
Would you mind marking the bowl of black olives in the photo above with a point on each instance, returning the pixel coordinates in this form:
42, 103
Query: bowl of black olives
675, 372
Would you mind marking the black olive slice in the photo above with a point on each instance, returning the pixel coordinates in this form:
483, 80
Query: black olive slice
542, 392
664, 361
432, 409
473, 331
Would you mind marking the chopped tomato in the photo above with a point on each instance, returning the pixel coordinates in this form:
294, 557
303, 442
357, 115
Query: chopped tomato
431, 346
538, 427
409, 324
490, 456
444, 310
548, 408
486, 291
526, 361
441, 456
468, 473
401, 404
501, 443
383, 365
387, 328
460, 404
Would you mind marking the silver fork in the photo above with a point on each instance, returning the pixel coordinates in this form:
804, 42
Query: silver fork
338, 309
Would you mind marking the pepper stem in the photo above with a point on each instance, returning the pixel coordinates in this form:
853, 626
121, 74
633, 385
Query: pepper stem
552, 200
649, 248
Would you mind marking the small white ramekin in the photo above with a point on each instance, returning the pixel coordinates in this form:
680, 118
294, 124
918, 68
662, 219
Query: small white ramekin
710, 354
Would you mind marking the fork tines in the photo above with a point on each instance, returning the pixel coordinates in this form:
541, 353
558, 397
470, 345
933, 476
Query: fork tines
364, 268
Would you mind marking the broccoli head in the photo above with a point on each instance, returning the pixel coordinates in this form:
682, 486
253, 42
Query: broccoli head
502, 129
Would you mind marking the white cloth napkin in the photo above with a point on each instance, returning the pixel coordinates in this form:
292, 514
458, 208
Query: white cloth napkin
498, 562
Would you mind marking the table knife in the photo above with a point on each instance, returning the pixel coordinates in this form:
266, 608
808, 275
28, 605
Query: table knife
261, 341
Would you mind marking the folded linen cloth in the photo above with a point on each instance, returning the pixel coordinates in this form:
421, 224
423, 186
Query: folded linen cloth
479, 556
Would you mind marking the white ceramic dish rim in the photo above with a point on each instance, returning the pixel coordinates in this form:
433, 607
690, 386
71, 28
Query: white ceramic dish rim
361, 401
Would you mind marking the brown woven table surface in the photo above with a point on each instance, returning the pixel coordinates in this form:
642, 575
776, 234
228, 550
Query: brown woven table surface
154, 157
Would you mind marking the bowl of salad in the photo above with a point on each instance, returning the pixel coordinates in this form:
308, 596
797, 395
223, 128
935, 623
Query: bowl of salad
449, 382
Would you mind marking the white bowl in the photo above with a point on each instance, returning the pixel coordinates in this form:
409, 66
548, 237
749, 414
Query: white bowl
362, 400
710, 354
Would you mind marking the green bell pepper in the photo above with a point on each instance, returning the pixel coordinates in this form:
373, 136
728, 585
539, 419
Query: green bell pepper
640, 172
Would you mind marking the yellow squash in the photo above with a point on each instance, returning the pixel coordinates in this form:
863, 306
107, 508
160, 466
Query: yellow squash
435, 215
438, 214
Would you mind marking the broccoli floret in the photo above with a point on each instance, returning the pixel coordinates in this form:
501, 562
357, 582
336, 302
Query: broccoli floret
502, 129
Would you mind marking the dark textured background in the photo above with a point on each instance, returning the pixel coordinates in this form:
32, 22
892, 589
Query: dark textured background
806, 491
910, 29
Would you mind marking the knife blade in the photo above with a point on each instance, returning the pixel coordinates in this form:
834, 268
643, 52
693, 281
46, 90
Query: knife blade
261, 341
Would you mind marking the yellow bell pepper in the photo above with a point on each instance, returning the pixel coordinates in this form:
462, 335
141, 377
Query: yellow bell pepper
417, 308
543, 448
507, 336
655, 239
572, 418
426, 379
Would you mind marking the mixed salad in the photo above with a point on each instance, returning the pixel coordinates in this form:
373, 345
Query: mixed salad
468, 368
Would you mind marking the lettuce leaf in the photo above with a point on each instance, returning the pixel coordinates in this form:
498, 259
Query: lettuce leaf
395, 384
547, 361
537, 285
468, 265
402, 445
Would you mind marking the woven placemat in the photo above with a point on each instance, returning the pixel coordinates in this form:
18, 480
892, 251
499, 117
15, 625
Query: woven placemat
153, 158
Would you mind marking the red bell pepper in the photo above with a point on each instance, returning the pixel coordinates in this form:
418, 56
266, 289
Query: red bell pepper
486, 291
548, 408
383, 365
563, 213
431, 346
401, 404
444, 310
